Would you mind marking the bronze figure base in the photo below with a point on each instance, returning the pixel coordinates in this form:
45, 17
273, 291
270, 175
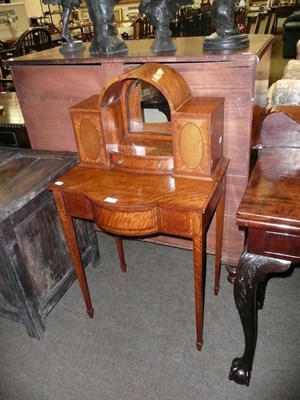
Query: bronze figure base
215, 42
163, 41
72, 47
108, 45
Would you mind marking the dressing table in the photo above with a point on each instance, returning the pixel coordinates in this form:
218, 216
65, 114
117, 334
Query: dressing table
138, 178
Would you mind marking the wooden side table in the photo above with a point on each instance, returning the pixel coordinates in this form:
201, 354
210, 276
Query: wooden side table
136, 204
270, 212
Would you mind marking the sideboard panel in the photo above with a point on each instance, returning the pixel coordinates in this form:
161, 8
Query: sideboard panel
35, 266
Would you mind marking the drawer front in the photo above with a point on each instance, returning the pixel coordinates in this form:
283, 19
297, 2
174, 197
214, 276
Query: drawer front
175, 222
282, 245
78, 206
131, 223
155, 164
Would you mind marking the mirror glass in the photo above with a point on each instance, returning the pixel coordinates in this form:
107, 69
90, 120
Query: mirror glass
149, 111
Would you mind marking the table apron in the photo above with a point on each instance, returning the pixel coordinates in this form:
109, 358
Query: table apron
274, 244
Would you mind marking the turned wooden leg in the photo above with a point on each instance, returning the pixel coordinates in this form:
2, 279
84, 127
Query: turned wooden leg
252, 270
199, 254
68, 228
120, 249
219, 240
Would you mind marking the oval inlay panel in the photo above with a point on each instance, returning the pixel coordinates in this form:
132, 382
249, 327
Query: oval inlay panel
89, 139
191, 145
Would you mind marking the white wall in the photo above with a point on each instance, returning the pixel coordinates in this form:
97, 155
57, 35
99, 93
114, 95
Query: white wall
33, 7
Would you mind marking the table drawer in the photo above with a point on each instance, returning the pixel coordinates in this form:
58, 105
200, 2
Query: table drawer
140, 222
278, 244
175, 222
78, 206
163, 165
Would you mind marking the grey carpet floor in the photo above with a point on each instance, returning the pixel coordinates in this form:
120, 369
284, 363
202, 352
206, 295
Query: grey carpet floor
141, 342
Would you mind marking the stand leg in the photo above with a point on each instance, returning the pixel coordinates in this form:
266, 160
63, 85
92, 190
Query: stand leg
252, 270
120, 249
219, 240
199, 254
68, 228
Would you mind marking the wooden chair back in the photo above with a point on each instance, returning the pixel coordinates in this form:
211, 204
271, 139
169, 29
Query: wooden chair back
261, 23
142, 29
33, 40
271, 21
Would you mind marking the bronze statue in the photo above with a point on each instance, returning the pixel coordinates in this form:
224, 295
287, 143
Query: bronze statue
222, 16
68, 6
106, 39
160, 14
227, 36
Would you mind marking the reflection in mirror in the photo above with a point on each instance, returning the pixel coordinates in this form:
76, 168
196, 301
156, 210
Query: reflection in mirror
149, 111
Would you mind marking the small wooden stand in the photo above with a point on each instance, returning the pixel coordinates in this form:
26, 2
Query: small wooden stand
137, 178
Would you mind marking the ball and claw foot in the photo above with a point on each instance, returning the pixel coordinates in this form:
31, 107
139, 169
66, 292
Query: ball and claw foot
90, 312
239, 372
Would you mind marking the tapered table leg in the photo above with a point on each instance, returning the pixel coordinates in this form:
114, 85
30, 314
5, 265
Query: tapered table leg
119, 244
68, 228
219, 240
199, 255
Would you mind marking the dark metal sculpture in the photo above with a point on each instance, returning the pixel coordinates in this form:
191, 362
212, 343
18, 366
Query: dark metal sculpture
71, 44
106, 39
227, 36
160, 14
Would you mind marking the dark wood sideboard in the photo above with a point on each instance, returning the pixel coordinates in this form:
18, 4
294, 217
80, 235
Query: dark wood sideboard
35, 266
49, 83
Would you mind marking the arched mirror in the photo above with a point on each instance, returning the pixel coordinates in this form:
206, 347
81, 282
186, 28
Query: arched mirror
148, 109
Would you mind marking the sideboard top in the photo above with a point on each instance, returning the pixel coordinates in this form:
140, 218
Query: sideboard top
25, 173
189, 49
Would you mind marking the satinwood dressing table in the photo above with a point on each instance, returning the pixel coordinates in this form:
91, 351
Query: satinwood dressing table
138, 178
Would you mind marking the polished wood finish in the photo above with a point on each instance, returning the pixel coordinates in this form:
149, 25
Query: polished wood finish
134, 204
293, 111
270, 212
50, 83
110, 128
284, 120
35, 266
